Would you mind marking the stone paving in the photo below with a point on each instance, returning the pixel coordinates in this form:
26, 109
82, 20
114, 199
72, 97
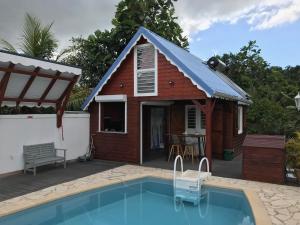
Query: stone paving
271, 204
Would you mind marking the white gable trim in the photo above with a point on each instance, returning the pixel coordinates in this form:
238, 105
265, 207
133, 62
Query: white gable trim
155, 46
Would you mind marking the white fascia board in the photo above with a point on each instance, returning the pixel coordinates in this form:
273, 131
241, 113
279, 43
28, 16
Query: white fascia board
111, 98
25, 61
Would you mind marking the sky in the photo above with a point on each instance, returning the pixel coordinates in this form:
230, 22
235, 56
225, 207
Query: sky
212, 26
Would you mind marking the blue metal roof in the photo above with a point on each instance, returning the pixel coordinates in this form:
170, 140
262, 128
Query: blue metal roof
213, 83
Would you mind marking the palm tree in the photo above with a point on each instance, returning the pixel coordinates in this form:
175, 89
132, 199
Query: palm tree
36, 40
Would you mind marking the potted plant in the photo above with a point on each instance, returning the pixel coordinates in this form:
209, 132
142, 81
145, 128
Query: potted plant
293, 154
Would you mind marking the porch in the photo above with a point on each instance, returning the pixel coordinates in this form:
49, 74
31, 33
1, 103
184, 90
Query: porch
217, 121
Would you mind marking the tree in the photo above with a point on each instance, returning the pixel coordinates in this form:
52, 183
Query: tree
36, 40
272, 90
96, 53
156, 15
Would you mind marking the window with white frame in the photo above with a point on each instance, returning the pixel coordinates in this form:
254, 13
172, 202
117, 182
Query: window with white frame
240, 119
145, 70
112, 113
194, 120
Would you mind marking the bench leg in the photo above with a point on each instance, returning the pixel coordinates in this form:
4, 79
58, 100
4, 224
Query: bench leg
34, 171
65, 163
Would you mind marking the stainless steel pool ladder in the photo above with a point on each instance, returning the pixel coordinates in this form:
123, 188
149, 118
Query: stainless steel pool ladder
187, 186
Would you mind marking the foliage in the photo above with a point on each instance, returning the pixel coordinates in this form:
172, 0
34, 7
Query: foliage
96, 53
293, 151
36, 40
77, 97
272, 90
156, 15
6, 110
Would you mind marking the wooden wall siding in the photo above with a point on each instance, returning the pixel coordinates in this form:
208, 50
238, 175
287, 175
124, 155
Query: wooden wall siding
217, 131
264, 153
238, 139
120, 147
177, 113
266, 160
228, 125
146, 129
94, 114
183, 88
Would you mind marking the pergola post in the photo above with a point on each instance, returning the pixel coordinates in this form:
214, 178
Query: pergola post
62, 102
207, 109
208, 126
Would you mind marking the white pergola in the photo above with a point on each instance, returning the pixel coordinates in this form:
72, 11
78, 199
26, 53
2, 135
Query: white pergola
26, 81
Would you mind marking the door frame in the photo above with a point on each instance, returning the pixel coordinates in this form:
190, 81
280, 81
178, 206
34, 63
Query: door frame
149, 103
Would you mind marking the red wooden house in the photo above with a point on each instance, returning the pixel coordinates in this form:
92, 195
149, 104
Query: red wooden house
155, 88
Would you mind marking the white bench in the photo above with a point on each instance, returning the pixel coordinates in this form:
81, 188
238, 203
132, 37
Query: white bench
41, 154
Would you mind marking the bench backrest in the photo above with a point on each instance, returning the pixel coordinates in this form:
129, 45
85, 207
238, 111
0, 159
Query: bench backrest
39, 151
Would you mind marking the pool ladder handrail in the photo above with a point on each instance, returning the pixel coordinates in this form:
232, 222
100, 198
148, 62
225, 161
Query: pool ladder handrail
175, 169
200, 167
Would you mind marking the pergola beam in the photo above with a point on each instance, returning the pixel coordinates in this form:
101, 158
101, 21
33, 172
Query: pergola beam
31, 73
28, 85
51, 84
4, 82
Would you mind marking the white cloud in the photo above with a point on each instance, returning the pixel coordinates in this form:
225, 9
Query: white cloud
73, 18
199, 15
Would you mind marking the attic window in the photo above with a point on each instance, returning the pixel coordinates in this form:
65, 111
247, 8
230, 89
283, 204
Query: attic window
145, 72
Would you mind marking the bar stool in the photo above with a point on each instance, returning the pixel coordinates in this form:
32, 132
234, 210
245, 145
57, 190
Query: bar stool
176, 147
190, 150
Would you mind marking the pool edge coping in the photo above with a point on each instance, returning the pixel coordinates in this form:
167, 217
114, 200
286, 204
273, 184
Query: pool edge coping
259, 212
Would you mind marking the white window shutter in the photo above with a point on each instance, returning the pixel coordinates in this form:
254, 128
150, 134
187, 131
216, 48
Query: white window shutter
145, 57
145, 73
191, 118
146, 82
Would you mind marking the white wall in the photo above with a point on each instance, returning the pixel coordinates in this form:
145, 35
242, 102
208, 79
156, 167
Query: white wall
19, 130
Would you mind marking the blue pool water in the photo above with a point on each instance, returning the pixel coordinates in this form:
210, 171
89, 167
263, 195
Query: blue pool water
146, 201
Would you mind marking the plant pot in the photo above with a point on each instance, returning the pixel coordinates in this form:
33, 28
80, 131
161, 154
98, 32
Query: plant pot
297, 174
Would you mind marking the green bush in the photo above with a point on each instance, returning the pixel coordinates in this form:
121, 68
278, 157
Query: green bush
293, 151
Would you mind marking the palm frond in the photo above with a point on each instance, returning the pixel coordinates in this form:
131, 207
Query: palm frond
5, 45
38, 41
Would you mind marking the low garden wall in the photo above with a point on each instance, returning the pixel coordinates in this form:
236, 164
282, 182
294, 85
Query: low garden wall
19, 130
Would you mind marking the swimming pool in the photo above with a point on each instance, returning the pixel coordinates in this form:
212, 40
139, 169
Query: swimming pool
147, 201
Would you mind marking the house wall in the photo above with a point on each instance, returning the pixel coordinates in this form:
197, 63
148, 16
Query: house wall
126, 147
19, 130
231, 138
